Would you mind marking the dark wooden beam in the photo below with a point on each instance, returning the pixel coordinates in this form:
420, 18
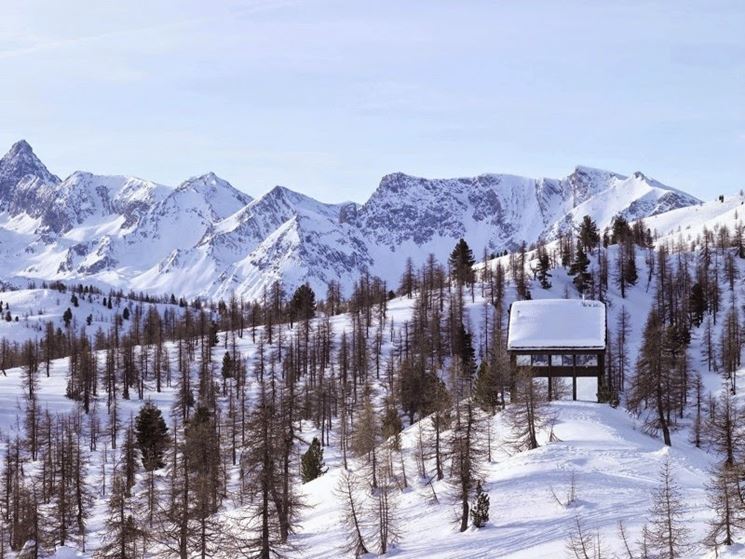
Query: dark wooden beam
555, 351
565, 372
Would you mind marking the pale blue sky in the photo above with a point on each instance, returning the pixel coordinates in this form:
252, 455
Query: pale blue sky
325, 97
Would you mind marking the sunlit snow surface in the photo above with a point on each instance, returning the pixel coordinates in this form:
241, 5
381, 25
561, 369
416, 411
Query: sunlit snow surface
615, 465
557, 324
205, 237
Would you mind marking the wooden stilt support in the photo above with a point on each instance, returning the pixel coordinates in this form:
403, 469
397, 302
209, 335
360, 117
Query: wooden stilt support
513, 374
574, 378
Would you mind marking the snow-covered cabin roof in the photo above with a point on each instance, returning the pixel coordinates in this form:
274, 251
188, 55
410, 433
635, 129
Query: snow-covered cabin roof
556, 324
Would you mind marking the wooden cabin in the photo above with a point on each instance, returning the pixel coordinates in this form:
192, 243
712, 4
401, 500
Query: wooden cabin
557, 338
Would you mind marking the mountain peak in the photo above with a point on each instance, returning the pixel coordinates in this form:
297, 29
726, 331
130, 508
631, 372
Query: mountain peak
21, 163
206, 178
209, 191
20, 147
283, 202
594, 172
21, 151
210, 182
397, 183
279, 191
293, 199
639, 175
282, 195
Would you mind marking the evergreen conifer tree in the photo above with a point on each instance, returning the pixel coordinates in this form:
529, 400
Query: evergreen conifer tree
312, 464
67, 317
152, 436
303, 303
544, 265
578, 269
227, 366
461, 263
588, 235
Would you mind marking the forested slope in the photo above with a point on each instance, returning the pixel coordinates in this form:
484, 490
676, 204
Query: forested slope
187, 433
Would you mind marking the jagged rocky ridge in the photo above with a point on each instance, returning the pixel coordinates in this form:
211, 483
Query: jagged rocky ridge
205, 237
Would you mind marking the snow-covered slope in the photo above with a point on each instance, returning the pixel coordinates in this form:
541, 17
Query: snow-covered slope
206, 238
615, 468
688, 223
30, 309
614, 465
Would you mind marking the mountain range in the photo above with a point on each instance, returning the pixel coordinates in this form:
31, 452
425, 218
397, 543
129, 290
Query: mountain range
205, 237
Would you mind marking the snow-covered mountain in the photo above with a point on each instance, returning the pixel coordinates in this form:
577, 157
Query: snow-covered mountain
204, 237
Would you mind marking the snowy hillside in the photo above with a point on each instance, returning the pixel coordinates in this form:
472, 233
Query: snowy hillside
25, 313
602, 452
615, 468
686, 224
205, 237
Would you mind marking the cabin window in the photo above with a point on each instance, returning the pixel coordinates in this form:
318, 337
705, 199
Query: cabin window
559, 361
587, 360
540, 360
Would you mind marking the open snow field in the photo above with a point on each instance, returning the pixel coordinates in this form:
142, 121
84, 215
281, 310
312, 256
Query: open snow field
615, 467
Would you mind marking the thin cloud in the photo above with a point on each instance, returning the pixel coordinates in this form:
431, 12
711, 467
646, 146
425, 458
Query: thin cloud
54, 44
